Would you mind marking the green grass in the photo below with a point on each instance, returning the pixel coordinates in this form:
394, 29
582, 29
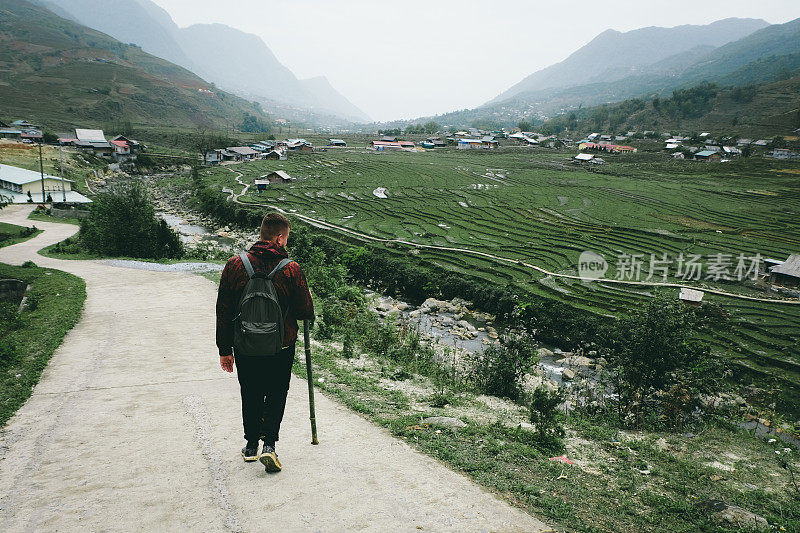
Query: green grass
541, 209
12, 234
55, 301
605, 490
43, 217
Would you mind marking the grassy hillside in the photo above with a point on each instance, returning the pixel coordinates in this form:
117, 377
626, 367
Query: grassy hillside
761, 110
60, 73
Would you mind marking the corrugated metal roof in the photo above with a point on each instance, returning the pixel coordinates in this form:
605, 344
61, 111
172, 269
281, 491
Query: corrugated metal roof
242, 150
281, 174
92, 136
584, 157
790, 267
691, 295
21, 176
705, 153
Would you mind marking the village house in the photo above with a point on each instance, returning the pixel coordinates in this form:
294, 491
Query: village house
244, 153
606, 147
707, 155
386, 145
214, 157
93, 141
277, 177
437, 142
787, 274
337, 142
299, 145
275, 155
784, 153
10, 133
489, 142
23, 186
469, 144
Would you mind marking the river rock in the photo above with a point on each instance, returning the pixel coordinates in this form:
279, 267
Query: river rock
544, 352
578, 360
415, 313
444, 421
447, 321
401, 306
734, 515
383, 307
466, 325
432, 304
568, 374
493, 334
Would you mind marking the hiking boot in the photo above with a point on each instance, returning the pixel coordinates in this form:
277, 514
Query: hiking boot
269, 458
250, 451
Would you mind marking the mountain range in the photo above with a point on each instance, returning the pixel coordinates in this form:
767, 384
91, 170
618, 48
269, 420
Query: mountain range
59, 72
645, 63
233, 60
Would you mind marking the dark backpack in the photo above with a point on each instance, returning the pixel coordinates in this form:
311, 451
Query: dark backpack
259, 325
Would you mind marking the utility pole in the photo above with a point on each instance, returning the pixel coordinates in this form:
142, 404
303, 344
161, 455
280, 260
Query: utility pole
61, 166
41, 169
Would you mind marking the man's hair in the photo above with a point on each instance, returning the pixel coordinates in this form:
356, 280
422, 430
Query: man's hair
273, 225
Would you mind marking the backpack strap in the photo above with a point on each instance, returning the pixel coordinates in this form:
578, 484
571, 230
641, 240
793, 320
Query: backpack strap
279, 267
248, 266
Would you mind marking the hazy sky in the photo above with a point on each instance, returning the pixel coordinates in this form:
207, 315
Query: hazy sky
410, 58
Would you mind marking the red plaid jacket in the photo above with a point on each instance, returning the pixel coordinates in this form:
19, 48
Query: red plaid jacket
290, 284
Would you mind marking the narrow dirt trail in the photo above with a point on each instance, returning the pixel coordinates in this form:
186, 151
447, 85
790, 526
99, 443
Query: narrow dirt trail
134, 427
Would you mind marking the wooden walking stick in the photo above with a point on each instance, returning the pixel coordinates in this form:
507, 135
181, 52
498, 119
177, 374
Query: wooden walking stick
306, 328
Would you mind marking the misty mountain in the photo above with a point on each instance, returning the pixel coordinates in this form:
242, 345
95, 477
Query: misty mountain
614, 55
59, 72
128, 21
764, 56
232, 59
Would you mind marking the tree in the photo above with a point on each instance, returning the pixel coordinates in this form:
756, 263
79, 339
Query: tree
49, 137
253, 124
124, 223
431, 127
524, 125
655, 349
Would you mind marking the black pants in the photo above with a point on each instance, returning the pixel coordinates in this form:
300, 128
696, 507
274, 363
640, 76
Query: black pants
264, 383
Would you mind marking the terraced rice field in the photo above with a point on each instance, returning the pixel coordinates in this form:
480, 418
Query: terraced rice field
536, 207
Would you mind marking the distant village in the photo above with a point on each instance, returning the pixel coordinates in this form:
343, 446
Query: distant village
20, 185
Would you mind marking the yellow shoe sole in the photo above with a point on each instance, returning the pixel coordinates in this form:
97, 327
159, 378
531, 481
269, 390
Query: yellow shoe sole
270, 462
250, 458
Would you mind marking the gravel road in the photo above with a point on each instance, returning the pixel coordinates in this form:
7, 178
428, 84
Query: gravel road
134, 427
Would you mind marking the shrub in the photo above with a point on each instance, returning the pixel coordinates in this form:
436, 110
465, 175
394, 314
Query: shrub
499, 371
547, 419
659, 364
124, 223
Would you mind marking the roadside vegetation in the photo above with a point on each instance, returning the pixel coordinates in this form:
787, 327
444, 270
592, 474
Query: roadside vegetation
123, 223
28, 337
624, 458
12, 234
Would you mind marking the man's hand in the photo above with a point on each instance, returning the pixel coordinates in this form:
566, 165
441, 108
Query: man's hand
226, 362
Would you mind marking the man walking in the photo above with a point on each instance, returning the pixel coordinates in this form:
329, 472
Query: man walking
263, 372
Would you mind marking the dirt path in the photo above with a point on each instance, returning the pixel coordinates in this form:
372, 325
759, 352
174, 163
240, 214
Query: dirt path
134, 427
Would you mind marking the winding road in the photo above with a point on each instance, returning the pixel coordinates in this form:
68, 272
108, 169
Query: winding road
133, 426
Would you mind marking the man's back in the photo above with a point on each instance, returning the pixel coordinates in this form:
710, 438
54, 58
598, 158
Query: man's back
290, 285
